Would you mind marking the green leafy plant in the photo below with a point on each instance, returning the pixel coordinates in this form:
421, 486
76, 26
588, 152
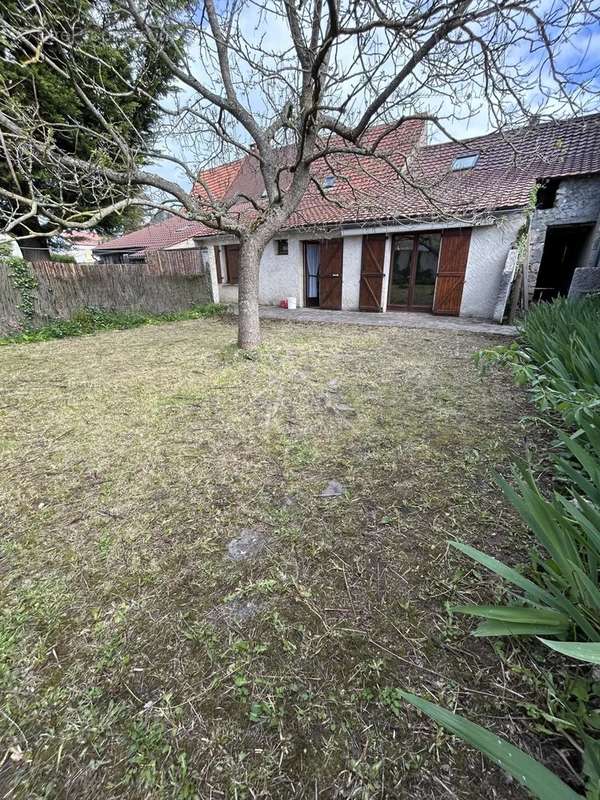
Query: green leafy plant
583, 651
92, 320
24, 281
562, 598
557, 355
537, 779
62, 258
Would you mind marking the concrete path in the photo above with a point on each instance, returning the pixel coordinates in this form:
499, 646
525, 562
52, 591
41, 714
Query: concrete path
391, 319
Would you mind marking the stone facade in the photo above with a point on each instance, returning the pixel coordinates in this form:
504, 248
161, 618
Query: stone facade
577, 201
585, 281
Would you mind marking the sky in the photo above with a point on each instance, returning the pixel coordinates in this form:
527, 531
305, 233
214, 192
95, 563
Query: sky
580, 53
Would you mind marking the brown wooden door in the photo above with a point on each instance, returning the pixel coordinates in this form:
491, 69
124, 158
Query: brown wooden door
451, 271
330, 274
371, 272
232, 258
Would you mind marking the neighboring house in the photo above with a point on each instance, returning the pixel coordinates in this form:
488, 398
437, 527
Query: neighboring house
79, 245
171, 233
175, 232
435, 238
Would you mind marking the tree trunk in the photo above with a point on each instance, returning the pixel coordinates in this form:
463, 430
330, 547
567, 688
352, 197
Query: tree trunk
248, 321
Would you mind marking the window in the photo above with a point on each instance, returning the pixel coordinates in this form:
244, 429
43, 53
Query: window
546, 193
465, 162
328, 181
281, 247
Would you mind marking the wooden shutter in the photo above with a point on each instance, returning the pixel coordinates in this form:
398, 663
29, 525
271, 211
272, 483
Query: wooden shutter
232, 257
330, 274
451, 271
371, 272
218, 263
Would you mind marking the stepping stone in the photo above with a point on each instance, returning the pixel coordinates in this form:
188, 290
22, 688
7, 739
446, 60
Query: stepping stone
234, 612
341, 408
333, 489
248, 544
288, 501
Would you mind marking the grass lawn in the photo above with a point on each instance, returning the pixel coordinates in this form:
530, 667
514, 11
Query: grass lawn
142, 656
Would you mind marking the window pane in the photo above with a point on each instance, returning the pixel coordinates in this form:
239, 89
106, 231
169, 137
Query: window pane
428, 252
400, 277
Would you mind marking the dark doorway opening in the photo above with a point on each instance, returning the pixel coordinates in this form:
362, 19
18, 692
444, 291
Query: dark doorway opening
563, 251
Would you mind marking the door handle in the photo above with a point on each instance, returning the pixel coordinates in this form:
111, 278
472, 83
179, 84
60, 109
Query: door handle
335, 275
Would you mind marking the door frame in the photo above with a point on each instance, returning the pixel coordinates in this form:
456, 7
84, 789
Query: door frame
413, 270
305, 273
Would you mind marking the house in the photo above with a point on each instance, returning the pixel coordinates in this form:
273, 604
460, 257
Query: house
166, 231
174, 232
79, 245
435, 238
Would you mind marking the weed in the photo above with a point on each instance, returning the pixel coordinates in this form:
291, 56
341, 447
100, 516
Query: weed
128, 465
93, 320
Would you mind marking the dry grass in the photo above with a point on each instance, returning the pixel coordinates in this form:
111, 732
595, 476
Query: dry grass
137, 660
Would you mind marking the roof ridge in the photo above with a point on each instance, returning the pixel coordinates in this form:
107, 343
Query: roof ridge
517, 129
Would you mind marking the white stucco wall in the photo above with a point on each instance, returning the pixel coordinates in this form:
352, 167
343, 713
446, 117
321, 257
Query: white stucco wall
13, 245
183, 245
212, 264
281, 276
352, 255
387, 268
487, 254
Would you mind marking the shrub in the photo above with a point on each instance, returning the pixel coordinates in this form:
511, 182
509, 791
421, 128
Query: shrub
558, 355
563, 597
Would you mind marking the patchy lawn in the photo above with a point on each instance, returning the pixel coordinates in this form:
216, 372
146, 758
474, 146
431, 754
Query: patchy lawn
145, 655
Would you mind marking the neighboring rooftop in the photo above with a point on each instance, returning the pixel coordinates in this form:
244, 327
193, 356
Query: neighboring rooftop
157, 236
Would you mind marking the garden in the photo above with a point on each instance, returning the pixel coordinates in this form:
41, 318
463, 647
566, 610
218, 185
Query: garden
247, 575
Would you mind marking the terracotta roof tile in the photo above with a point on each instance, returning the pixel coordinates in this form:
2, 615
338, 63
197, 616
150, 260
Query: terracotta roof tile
218, 179
368, 189
508, 166
158, 236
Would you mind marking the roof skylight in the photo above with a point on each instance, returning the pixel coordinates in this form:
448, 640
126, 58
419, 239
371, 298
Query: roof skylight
328, 181
465, 162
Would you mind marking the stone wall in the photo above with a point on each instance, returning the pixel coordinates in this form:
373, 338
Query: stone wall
577, 201
585, 281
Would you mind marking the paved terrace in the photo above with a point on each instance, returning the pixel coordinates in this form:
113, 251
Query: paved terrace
391, 319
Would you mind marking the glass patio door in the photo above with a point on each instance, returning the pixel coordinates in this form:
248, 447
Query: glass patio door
414, 269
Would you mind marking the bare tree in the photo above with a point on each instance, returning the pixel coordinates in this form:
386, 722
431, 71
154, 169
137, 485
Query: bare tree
290, 84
